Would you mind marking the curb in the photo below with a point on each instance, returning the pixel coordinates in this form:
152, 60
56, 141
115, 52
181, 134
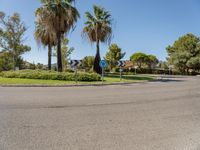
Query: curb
76, 85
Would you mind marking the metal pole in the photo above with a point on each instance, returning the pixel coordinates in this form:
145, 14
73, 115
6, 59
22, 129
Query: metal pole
102, 75
76, 75
120, 73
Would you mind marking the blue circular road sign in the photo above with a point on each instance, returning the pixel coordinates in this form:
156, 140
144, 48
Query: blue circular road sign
103, 64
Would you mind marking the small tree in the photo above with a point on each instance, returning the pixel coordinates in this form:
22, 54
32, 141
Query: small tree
115, 54
66, 51
5, 61
32, 66
163, 65
12, 32
139, 59
88, 62
39, 66
151, 61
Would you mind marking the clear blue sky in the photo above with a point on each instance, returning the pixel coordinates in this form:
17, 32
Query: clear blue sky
139, 25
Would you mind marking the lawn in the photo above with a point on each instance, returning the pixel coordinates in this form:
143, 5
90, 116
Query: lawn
107, 80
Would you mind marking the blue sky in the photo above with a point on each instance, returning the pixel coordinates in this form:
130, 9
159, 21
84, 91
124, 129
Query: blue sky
139, 25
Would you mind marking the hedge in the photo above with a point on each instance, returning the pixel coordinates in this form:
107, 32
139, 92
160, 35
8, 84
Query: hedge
148, 71
51, 75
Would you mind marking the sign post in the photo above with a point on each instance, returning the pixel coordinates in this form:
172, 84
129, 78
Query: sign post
103, 64
74, 64
120, 70
102, 74
121, 64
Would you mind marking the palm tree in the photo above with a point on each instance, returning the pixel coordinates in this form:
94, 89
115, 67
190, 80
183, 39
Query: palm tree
98, 29
66, 52
44, 35
62, 18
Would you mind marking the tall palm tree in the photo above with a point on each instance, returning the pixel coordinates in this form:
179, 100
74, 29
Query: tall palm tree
98, 29
44, 35
62, 18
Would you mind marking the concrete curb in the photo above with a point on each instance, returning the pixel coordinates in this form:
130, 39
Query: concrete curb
75, 85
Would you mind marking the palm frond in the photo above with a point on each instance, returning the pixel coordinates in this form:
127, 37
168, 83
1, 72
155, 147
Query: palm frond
98, 26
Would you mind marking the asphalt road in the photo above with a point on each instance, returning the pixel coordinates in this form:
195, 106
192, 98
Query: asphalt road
161, 115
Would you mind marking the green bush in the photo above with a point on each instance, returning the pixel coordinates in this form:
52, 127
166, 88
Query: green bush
147, 71
51, 75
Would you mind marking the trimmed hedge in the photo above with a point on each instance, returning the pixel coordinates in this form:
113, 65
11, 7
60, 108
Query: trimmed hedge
51, 75
148, 71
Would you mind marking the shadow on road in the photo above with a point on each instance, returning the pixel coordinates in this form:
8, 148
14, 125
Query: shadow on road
167, 80
176, 76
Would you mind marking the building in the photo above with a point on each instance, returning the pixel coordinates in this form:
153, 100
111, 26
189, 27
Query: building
129, 64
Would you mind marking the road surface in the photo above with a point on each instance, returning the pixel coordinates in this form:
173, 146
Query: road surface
161, 115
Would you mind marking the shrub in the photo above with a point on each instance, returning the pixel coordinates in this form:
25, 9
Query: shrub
147, 71
51, 75
88, 77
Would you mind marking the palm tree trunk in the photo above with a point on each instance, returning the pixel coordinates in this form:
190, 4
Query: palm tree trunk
97, 59
59, 54
97, 68
49, 57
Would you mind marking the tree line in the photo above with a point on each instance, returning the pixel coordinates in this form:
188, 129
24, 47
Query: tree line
56, 18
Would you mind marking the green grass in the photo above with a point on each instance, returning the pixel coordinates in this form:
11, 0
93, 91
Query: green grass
108, 79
